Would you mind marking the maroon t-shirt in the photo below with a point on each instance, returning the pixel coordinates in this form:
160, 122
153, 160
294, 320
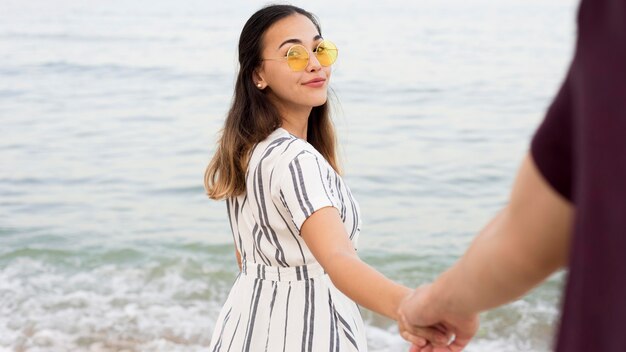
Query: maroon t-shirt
580, 149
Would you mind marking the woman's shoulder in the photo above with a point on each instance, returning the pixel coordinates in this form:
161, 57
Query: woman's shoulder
280, 151
282, 147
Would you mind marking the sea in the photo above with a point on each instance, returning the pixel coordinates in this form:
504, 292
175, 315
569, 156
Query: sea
110, 112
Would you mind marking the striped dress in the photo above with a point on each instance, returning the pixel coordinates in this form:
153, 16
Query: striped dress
282, 300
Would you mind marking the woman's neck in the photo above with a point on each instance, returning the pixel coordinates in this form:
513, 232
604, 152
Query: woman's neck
296, 128
295, 119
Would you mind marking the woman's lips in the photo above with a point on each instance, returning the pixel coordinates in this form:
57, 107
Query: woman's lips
315, 83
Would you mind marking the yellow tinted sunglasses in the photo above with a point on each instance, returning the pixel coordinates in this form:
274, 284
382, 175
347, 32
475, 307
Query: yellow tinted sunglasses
298, 56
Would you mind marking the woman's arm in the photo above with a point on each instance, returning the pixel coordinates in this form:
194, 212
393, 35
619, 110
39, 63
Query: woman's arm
326, 237
238, 258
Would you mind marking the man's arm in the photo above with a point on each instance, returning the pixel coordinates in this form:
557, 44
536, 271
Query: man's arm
526, 242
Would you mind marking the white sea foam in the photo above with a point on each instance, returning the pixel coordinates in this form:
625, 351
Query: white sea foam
108, 308
388, 340
46, 307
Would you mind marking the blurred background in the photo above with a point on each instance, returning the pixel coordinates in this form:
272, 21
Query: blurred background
110, 111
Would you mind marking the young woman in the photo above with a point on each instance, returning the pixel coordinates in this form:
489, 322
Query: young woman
294, 221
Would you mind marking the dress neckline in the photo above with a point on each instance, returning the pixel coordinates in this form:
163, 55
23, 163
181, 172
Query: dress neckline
283, 130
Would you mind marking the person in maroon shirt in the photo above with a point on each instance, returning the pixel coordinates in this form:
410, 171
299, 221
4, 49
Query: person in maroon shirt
567, 208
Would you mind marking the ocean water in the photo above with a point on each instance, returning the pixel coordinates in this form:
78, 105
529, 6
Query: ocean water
109, 113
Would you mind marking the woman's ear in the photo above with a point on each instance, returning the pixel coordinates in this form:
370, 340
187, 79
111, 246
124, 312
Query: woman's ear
258, 80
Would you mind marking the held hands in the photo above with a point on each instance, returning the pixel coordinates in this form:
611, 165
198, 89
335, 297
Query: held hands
419, 336
429, 327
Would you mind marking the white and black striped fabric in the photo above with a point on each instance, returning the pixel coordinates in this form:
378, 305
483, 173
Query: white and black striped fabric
283, 301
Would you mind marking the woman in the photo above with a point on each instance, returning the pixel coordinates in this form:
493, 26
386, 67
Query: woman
295, 222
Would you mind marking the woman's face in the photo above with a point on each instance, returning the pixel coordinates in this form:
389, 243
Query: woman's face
289, 89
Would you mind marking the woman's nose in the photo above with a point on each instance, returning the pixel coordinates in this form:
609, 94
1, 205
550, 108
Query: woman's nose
314, 64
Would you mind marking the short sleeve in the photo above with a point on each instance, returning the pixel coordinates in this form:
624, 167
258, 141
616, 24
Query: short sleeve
551, 146
303, 188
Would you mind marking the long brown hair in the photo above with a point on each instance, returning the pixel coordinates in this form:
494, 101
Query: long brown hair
252, 117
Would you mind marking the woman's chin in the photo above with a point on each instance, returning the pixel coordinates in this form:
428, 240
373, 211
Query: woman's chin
318, 101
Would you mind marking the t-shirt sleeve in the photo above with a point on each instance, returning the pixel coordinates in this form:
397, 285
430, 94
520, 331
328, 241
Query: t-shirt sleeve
303, 188
552, 145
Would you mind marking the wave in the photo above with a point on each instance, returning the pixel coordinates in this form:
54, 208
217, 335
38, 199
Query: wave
165, 297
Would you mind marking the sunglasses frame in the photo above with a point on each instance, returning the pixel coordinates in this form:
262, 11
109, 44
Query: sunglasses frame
286, 57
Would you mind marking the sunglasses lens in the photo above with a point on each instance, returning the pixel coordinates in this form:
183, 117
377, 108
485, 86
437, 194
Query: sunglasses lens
297, 58
326, 53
